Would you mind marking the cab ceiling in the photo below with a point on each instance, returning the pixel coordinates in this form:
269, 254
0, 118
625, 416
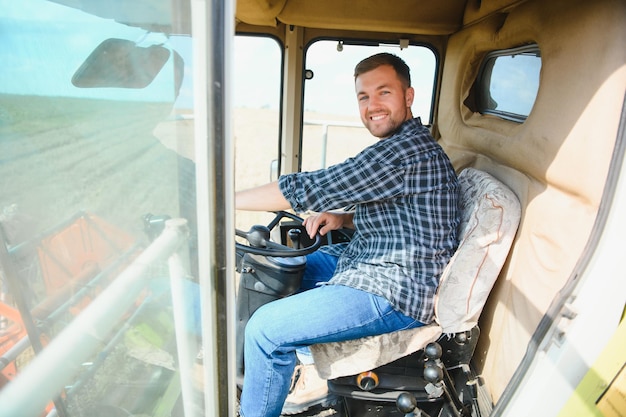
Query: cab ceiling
427, 17
434, 17
430, 17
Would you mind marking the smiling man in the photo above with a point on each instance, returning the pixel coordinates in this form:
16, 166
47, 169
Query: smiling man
385, 97
404, 191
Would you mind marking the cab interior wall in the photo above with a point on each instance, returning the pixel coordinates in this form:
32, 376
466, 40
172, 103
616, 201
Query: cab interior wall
556, 161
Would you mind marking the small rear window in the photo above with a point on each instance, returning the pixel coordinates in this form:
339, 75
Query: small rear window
508, 83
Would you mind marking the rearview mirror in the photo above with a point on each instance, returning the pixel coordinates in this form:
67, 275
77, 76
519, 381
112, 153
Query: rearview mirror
121, 63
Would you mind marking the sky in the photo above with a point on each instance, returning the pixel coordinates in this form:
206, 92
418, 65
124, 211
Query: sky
43, 43
331, 90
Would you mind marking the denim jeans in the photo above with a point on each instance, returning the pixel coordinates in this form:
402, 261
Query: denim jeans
327, 313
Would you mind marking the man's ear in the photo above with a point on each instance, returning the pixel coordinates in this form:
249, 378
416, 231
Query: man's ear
409, 96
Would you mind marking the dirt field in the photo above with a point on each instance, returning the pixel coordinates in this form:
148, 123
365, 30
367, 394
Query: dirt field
59, 157
123, 161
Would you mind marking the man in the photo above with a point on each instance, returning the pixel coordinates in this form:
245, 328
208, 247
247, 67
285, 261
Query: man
405, 194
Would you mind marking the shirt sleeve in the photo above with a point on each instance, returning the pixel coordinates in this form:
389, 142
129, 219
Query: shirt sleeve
406, 163
369, 176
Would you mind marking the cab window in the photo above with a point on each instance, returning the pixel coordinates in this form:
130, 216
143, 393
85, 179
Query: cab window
257, 84
332, 128
508, 83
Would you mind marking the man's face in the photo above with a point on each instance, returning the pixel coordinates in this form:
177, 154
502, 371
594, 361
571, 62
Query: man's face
384, 104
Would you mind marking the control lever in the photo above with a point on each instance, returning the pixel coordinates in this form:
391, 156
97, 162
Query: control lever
407, 404
295, 236
433, 370
439, 381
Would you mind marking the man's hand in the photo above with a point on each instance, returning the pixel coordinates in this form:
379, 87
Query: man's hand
325, 222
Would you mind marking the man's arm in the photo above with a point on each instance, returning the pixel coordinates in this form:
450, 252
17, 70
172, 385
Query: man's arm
263, 198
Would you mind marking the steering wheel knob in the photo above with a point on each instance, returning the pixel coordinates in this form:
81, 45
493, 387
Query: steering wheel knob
258, 236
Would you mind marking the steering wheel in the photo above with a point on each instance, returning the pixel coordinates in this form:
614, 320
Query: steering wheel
258, 238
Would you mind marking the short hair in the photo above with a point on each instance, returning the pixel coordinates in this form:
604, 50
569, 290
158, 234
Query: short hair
384, 58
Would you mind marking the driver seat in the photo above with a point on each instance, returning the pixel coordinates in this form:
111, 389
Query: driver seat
490, 214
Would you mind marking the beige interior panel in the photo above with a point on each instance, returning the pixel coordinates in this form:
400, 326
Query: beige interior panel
556, 162
259, 12
402, 16
479, 9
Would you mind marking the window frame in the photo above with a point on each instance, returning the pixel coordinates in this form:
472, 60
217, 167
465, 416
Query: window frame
342, 41
346, 40
484, 78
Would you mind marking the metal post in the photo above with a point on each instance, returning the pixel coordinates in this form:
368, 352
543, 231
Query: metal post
185, 346
324, 144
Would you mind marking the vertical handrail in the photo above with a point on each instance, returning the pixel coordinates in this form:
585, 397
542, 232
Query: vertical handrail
57, 364
184, 345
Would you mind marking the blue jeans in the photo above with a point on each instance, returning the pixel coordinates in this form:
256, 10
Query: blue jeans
328, 313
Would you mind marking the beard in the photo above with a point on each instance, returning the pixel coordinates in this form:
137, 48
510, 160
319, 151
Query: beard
387, 126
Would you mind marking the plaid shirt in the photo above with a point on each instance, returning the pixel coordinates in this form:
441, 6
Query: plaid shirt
406, 216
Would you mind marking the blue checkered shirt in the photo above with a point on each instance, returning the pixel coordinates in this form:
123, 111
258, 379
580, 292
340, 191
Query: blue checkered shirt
406, 216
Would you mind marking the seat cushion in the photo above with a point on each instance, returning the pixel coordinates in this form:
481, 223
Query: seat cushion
333, 360
490, 214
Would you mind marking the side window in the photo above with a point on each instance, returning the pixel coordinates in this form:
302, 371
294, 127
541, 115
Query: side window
256, 116
508, 83
332, 128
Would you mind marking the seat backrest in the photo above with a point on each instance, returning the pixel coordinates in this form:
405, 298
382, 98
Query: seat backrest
490, 215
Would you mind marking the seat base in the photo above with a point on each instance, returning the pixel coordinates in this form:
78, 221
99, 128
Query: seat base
406, 374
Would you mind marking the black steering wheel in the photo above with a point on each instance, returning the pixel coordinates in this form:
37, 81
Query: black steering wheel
259, 241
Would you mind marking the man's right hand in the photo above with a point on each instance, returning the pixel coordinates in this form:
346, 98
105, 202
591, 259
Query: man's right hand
325, 222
